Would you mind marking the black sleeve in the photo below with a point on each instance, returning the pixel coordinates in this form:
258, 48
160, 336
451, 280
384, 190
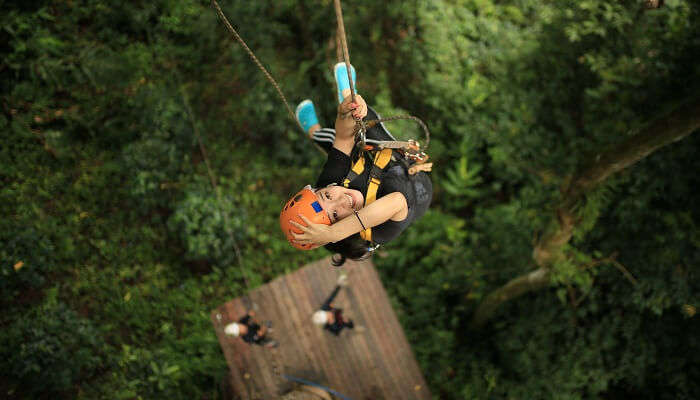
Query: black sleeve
335, 170
326, 306
244, 320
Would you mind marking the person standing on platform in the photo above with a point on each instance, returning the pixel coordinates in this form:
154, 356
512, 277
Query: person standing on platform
331, 318
250, 331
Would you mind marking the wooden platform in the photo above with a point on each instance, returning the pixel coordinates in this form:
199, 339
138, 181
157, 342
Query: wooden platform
375, 364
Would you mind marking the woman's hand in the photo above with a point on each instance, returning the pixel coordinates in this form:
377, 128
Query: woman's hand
347, 109
345, 124
314, 234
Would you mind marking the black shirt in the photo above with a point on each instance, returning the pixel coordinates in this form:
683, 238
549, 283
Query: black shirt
339, 323
253, 328
417, 189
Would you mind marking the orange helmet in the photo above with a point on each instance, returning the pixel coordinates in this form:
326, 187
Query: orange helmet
303, 203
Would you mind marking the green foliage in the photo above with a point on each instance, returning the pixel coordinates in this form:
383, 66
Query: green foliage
437, 297
208, 227
589, 209
26, 259
106, 210
461, 182
50, 349
576, 269
158, 158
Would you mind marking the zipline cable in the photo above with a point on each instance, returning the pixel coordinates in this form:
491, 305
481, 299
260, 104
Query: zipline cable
255, 59
344, 44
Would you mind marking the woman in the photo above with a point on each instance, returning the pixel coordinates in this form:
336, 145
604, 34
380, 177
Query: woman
401, 198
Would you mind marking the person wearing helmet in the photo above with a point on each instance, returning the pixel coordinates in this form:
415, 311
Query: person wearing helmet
329, 317
250, 331
334, 215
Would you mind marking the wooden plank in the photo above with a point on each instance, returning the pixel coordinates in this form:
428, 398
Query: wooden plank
414, 375
303, 347
247, 354
399, 343
285, 332
394, 333
233, 350
235, 374
311, 297
376, 364
377, 335
265, 357
305, 307
360, 341
356, 354
339, 345
392, 327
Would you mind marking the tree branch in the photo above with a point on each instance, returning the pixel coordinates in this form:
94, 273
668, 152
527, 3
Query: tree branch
670, 128
531, 281
674, 126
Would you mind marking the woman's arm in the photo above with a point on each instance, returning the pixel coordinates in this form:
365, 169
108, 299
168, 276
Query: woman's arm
345, 124
327, 306
387, 207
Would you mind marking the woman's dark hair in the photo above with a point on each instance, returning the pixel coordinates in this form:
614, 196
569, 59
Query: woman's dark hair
353, 247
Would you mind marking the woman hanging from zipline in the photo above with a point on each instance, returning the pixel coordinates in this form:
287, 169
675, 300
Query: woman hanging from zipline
341, 213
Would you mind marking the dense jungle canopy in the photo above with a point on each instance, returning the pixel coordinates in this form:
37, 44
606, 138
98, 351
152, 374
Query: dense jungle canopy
559, 259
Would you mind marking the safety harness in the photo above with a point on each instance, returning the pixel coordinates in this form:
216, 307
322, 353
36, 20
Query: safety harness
408, 153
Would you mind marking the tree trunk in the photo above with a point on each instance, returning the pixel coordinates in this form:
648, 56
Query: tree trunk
653, 4
674, 126
531, 281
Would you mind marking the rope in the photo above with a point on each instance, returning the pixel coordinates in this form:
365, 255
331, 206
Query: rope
305, 382
344, 44
255, 59
361, 127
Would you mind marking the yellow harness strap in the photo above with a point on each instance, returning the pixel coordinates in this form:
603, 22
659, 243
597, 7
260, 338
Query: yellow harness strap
356, 169
381, 160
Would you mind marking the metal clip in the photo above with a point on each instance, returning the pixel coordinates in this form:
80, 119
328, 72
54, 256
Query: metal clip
361, 135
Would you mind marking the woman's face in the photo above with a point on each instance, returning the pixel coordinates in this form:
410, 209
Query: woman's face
339, 202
